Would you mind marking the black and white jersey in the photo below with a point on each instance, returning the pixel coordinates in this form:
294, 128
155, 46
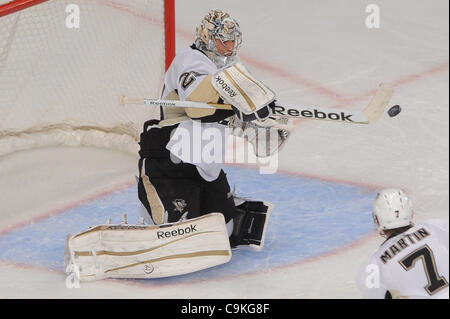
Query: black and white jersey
198, 138
187, 70
412, 265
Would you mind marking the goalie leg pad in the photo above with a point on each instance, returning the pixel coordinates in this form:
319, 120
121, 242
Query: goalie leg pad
140, 251
250, 224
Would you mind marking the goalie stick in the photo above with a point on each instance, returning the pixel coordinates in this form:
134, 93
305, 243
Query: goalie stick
369, 115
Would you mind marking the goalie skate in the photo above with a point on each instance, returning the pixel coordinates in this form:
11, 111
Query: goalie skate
250, 224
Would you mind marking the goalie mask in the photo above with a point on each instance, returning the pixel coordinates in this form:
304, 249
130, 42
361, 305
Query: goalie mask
218, 26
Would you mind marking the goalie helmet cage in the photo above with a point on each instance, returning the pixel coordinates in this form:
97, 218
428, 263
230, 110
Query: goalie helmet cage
64, 63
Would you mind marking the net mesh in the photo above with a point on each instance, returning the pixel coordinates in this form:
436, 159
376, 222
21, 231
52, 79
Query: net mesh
61, 84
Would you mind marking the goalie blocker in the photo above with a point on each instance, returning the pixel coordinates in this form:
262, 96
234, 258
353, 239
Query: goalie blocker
249, 97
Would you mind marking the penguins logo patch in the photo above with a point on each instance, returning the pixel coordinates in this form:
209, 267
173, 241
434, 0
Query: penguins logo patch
180, 205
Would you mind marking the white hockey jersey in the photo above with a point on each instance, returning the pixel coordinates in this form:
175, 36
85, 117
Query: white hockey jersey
412, 265
186, 80
189, 67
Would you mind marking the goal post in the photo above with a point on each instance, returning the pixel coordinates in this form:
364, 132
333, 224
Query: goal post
59, 80
11, 6
169, 31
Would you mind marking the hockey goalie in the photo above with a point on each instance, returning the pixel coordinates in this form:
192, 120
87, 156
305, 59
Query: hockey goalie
197, 219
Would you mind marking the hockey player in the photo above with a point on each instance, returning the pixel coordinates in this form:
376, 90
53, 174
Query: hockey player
176, 185
413, 261
197, 219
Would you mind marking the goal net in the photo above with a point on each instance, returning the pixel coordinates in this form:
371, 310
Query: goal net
64, 64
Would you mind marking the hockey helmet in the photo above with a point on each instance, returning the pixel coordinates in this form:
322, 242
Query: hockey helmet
218, 25
392, 209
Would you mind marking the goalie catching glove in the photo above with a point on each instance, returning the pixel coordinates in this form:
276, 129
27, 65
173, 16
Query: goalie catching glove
249, 97
266, 137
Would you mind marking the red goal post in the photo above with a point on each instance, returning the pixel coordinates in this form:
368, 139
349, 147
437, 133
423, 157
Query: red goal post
12, 6
60, 85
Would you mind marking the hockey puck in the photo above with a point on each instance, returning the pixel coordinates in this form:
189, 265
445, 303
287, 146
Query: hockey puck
394, 111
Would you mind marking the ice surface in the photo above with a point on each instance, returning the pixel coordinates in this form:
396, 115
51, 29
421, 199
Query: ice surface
320, 53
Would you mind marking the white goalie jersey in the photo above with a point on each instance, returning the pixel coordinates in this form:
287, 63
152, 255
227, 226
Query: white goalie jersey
189, 68
189, 79
411, 265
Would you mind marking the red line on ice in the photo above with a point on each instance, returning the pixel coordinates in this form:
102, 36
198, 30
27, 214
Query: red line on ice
280, 73
66, 207
397, 83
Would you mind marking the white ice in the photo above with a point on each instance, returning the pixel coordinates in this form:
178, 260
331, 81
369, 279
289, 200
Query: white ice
315, 52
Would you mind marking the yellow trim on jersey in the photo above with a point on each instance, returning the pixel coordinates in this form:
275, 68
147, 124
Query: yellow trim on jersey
244, 95
204, 92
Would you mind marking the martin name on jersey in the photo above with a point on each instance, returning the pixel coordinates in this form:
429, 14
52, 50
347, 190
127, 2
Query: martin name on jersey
413, 265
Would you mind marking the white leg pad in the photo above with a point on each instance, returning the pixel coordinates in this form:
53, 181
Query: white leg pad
142, 251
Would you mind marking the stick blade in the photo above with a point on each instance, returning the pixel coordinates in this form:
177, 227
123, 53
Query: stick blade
379, 103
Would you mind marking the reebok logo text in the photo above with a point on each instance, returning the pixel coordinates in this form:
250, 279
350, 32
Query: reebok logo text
225, 87
176, 232
342, 116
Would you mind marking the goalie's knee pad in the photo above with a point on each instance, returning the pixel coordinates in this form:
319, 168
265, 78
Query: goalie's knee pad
250, 224
173, 192
170, 191
169, 200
